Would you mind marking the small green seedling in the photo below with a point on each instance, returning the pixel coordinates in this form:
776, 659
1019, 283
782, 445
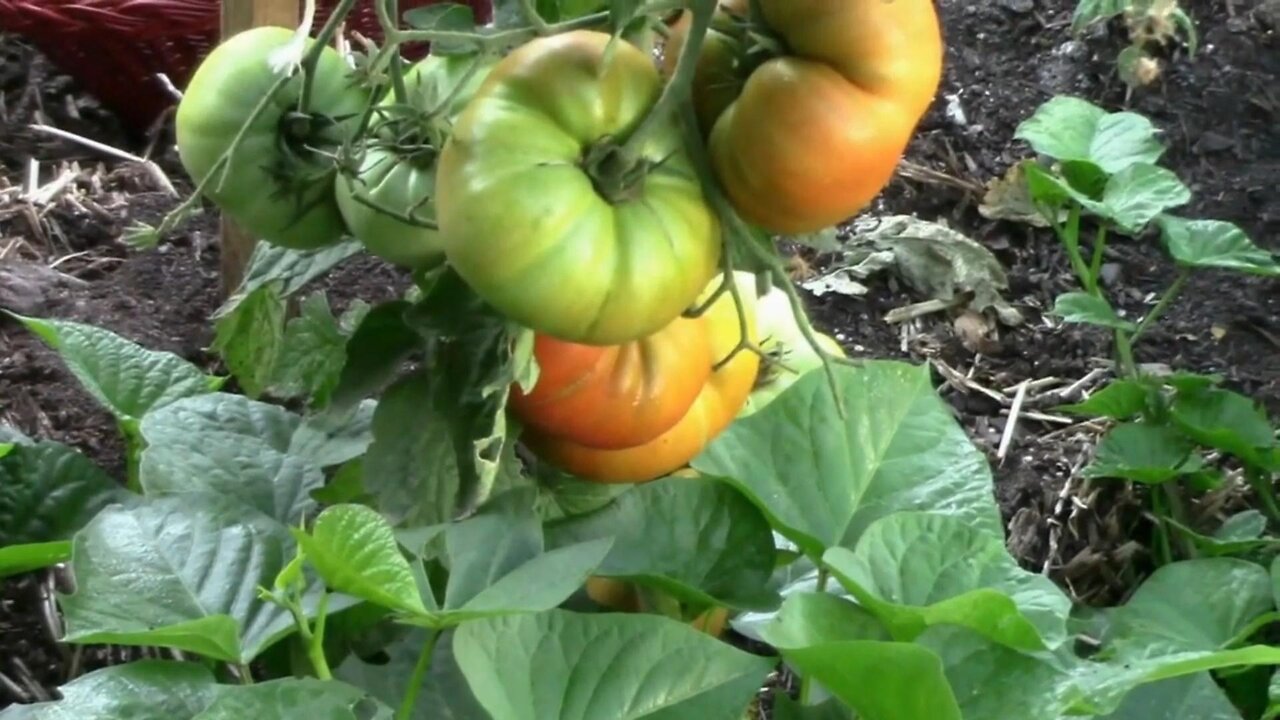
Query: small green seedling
1104, 166
1150, 23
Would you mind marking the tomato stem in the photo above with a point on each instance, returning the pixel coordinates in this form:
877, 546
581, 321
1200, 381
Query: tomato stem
387, 12
679, 89
532, 16
323, 38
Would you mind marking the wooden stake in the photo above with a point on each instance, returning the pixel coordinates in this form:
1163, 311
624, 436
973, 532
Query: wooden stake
238, 15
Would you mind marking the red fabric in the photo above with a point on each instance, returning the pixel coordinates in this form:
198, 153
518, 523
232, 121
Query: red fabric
114, 48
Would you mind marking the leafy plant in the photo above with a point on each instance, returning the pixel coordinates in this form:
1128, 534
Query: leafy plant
1103, 167
1149, 23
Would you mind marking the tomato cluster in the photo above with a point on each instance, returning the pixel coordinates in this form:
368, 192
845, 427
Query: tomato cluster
545, 181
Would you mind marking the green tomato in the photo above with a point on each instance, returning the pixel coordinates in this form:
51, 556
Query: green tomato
529, 218
781, 335
404, 182
278, 184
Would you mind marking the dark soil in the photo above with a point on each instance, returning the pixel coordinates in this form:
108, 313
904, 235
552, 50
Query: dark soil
1219, 112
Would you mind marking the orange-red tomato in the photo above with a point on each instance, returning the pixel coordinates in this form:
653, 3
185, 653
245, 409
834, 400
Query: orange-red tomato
616, 396
715, 407
818, 130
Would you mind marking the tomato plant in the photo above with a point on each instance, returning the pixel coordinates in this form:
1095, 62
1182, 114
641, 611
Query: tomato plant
552, 226
830, 94
388, 202
241, 135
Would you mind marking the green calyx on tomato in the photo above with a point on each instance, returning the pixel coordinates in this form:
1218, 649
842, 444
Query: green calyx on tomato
548, 222
277, 185
734, 368
387, 200
822, 108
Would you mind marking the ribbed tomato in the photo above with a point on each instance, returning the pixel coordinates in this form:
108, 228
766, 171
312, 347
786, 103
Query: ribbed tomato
616, 396
820, 126
548, 232
716, 405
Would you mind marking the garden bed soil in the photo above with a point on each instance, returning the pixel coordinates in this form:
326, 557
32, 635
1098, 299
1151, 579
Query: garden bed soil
1220, 117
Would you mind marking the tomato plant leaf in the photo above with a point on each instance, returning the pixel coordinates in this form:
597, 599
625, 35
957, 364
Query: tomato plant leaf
1144, 453
1214, 244
354, 551
445, 17
917, 569
1275, 579
698, 539
25, 557
48, 491
444, 694
1119, 400
908, 679
375, 351
1226, 420
1100, 688
1071, 128
822, 480
141, 690
314, 350
291, 270
124, 377
574, 666
1081, 307
184, 572
250, 338
290, 698
262, 454
1189, 697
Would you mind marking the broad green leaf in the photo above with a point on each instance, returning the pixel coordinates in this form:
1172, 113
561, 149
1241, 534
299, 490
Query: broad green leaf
444, 695
1085, 177
289, 269
292, 698
250, 338
140, 690
561, 495
822, 480
1275, 580
376, 350
1070, 128
696, 538
314, 350
1215, 244
917, 569
48, 491
184, 572
1081, 307
126, 378
572, 666
1239, 534
1225, 420
1144, 453
234, 446
813, 618
1139, 193
1100, 688
995, 682
445, 17
1189, 697
908, 680
415, 476
498, 567
1191, 605
354, 551
21, 558
1119, 400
